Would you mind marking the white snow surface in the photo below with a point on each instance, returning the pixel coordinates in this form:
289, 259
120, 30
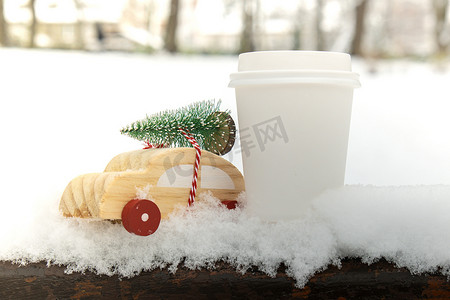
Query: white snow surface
60, 117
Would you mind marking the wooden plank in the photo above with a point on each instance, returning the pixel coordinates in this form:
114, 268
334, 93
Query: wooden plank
354, 280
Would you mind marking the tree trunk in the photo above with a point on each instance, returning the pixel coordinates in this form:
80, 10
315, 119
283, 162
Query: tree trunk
79, 26
440, 12
247, 42
358, 33
4, 41
33, 25
296, 36
170, 40
297, 28
320, 40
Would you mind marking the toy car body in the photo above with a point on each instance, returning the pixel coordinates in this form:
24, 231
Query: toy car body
165, 172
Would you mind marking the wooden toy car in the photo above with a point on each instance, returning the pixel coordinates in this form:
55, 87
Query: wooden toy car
166, 172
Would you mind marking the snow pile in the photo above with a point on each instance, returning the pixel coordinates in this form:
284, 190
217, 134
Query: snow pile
405, 225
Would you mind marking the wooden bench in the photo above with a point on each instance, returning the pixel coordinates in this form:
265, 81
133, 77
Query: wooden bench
354, 280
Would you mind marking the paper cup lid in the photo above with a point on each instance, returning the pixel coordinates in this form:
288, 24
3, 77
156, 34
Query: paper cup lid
294, 60
279, 67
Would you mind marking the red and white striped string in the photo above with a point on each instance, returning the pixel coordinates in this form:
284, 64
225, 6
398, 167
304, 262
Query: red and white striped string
198, 154
149, 145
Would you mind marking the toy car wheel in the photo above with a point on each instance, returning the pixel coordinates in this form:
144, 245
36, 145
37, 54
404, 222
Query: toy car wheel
141, 217
230, 204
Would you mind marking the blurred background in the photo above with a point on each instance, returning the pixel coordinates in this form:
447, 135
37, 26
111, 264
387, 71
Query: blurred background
417, 29
107, 63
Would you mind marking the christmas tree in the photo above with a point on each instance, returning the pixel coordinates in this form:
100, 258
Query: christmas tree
213, 129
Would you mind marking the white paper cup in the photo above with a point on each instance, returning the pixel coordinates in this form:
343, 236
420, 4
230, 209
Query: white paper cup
294, 110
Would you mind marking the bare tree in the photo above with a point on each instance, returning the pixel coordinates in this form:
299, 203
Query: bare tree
247, 38
33, 25
4, 40
296, 33
320, 39
440, 8
79, 26
170, 39
251, 25
250, 12
358, 33
297, 27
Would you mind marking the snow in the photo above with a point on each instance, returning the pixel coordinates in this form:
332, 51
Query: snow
60, 117
399, 132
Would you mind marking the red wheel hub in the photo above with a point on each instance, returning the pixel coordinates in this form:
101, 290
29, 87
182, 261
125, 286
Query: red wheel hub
141, 217
230, 204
